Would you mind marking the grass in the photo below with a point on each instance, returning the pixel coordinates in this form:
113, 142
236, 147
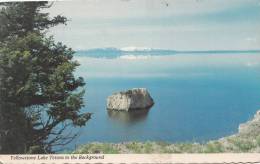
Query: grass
134, 147
214, 147
232, 144
258, 141
97, 148
242, 144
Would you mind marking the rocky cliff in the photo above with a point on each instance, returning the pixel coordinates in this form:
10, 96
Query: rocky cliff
252, 127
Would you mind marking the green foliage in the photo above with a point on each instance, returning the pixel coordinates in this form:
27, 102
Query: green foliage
97, 148
214, 147
12, 125
134, 147
258, 140
186, 148
37, 83
233, 144
148, 147
241, 144
19, 18
162, 143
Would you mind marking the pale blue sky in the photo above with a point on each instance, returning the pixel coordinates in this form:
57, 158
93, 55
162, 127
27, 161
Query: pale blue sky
167, 24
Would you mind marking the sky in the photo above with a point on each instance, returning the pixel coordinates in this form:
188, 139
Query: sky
164, 24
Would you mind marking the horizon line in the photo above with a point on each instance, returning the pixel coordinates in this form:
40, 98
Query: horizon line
172, 50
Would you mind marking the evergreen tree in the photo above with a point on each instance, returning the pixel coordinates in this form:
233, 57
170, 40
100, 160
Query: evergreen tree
39, 95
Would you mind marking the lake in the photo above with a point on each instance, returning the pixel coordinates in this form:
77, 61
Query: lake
198, 97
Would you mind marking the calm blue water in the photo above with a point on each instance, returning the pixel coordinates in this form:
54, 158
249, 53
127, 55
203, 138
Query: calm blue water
197, 97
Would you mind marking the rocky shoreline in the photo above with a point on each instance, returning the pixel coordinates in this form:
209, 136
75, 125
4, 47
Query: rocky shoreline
247, 140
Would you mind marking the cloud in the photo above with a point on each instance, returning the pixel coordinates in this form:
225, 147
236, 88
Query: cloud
251, 39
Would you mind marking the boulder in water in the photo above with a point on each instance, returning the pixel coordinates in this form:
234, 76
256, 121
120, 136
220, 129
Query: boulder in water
134, 99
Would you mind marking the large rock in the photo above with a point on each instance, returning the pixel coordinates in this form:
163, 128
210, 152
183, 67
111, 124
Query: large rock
251, 127
134, 99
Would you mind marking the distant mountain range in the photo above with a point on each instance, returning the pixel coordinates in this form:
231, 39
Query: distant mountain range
137, 51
